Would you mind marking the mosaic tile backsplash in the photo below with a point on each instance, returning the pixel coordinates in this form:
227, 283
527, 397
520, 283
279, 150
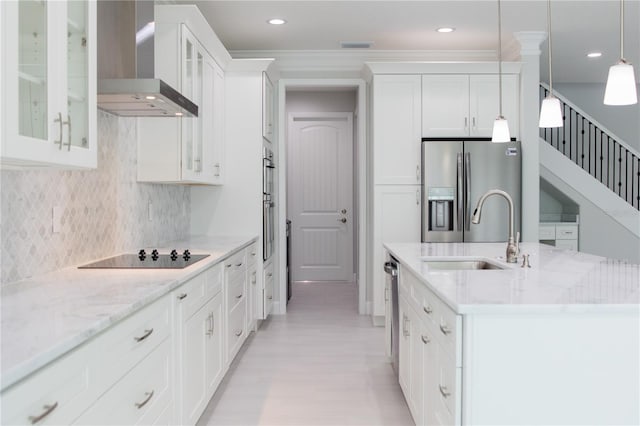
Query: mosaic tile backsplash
104, 211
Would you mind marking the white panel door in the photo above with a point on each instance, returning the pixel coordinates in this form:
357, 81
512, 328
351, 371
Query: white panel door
320, 196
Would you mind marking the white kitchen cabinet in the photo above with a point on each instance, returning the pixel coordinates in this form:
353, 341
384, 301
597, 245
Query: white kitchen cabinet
462, 105
396, 129
252, 286
49, 84
185, 149
396, 217
267, 298
562, 235
200, 352
268, 106
235, 288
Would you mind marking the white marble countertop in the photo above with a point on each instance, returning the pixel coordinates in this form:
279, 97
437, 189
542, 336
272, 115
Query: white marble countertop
46, 316
558, 280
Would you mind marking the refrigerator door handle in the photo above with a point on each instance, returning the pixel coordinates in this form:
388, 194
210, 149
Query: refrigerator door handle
459, 189
467, 190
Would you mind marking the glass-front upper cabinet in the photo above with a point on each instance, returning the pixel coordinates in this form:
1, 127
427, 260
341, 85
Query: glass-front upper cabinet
49, 83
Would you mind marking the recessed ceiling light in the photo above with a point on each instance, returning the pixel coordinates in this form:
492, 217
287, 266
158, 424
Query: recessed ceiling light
277, 21
594, 54
445, 30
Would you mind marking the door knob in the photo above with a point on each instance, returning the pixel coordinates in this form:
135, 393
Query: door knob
343, 220
343, 211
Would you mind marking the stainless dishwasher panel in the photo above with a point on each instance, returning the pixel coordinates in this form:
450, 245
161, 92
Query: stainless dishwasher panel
391, 268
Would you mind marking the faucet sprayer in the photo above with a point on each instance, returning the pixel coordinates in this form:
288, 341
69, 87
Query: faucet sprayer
513, 247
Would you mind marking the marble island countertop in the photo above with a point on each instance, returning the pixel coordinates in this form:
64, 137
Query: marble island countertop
558, 280
46, 316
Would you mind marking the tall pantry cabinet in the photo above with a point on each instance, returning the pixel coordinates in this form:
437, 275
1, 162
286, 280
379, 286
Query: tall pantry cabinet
397, 114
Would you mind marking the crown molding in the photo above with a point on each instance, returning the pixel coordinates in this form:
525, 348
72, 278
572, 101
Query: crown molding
354, 60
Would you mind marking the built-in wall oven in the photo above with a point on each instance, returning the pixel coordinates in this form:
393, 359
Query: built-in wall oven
268, 216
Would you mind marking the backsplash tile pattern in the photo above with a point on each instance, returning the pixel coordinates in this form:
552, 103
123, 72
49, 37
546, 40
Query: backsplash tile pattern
104, 211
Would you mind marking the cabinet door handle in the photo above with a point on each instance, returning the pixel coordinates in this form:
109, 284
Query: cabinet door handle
239, 333
444, 391
445, 329
418, 173
239, 264
182, 296
197, 165
427, 309
269, 297
146, 334
405, 330
417, 197
425, 339
68, 123
149, 395
59, 121
386, 294
465, 123
473, 122
47, 410
239, 296
269, 274
229, 265
210, 327
217, 166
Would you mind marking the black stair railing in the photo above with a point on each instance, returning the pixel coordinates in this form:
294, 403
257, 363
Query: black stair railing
595, 150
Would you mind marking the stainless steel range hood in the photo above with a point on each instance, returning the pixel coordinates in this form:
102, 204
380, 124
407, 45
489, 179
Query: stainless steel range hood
126, 76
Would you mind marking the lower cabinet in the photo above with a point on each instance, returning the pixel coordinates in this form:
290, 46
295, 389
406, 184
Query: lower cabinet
267, 293
429, 355
159, 366
200, 358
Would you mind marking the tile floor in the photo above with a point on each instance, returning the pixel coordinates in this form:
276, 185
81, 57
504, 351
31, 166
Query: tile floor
321, 364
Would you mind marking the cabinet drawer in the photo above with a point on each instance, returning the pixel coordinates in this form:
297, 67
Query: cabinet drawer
547, 232
235, 293
449, 331
566, 232
252, 254
567, 244
213, 277
192, 294
61, 389
125, 344
138, 398
447, 389
236, 329
235, 263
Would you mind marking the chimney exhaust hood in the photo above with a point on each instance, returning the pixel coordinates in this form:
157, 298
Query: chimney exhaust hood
126, 76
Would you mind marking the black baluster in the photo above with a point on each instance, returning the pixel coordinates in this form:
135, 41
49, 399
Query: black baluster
582, 150
626, 176
601, 156
638, 186
619, 170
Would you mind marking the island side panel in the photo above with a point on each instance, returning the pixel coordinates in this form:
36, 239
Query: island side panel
572, 368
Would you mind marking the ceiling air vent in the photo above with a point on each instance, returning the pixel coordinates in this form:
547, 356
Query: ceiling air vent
356, 44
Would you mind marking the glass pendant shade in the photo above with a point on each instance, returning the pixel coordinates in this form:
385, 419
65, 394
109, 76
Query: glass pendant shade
621, 85
500, 131
551, 112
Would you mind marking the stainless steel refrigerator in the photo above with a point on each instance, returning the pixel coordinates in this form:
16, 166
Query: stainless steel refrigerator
455, 174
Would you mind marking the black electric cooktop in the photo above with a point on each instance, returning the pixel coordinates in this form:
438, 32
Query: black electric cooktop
147, 261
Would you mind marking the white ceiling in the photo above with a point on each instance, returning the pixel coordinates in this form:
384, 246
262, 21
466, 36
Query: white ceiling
578, 26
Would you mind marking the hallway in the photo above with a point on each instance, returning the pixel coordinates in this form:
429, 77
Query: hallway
321, 364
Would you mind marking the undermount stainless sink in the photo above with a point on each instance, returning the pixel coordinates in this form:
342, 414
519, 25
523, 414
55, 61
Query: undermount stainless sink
461, 265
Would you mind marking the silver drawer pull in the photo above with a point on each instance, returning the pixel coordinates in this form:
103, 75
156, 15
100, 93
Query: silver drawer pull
47, 410
239, 333
445, 329
139, 405
269, 297
425, 339
269, 274
444, 391
239, 296
427, 309
239, 264
182, 296
229, 265
146, 334
253, 254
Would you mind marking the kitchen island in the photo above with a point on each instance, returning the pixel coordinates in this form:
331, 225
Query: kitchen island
556, 343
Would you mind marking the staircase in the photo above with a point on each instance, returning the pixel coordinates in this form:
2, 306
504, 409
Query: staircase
595, 150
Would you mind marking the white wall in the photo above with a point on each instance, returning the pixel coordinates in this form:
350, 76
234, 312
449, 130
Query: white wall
623, 121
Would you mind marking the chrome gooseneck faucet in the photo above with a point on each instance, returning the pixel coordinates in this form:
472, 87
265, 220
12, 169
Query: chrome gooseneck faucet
512, 245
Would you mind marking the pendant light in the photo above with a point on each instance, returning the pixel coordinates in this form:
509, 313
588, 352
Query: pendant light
621, 84
500, 126
551, 112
